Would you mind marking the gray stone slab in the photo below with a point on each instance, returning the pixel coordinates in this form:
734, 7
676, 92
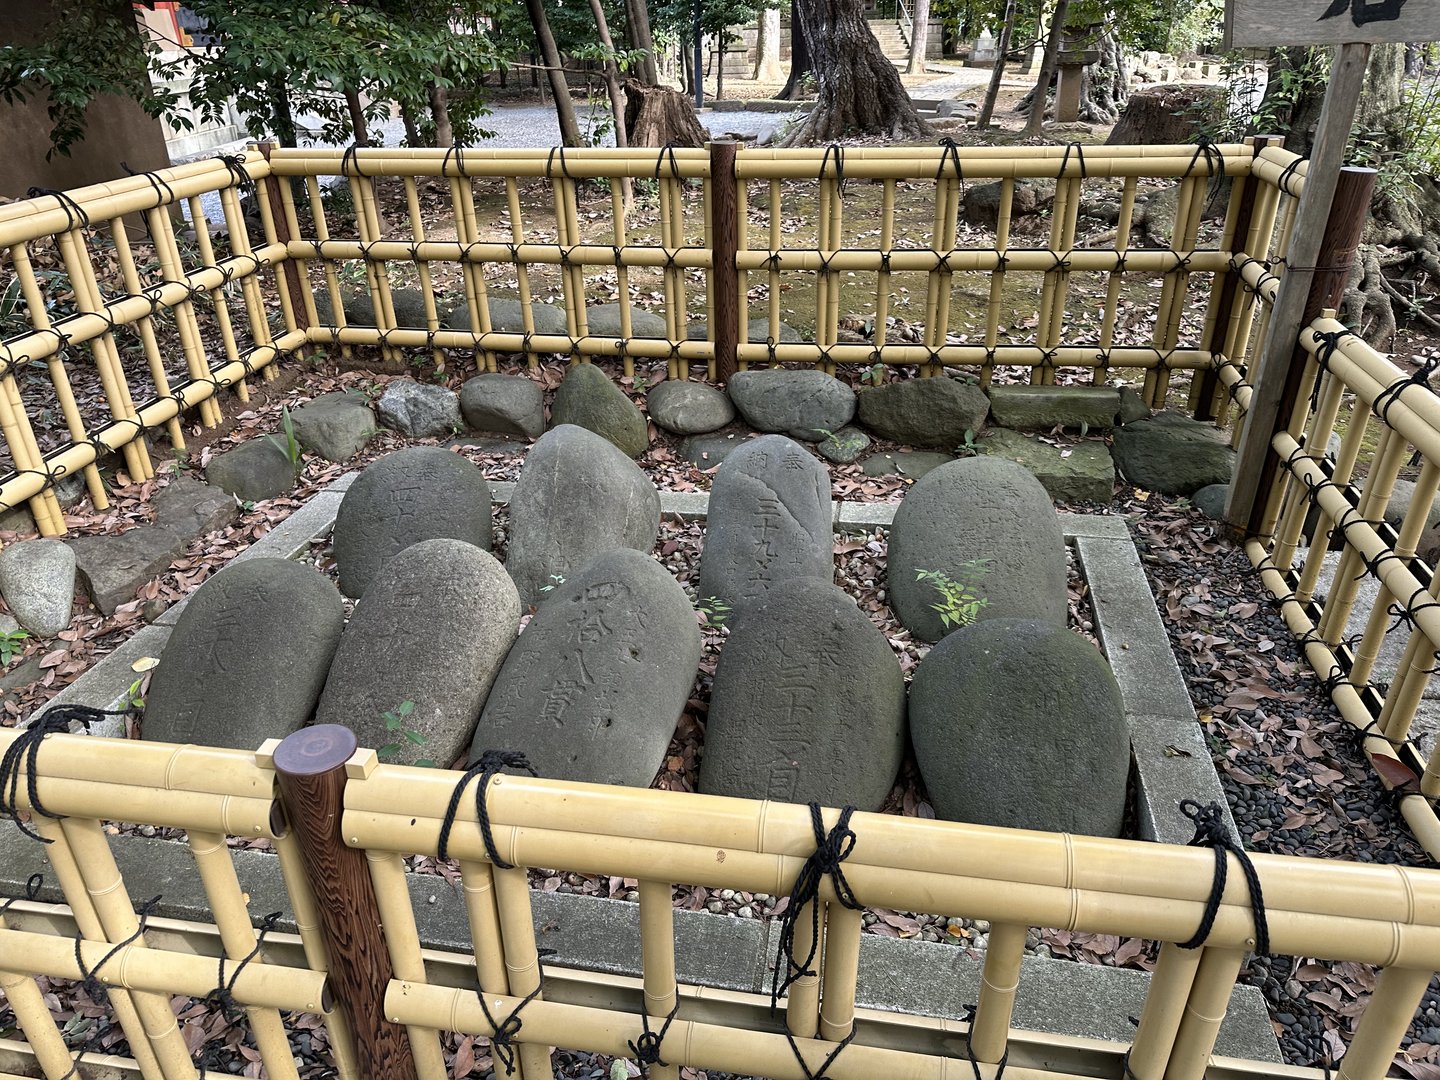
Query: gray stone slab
686, 505
1172, 762
293, 536
864, 517
501, 490
106, 685
1093, 526
1131, 632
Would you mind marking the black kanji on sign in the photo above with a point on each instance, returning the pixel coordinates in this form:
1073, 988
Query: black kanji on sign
1363, 12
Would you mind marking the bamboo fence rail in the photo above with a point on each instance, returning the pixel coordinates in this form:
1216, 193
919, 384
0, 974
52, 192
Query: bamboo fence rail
1380, 915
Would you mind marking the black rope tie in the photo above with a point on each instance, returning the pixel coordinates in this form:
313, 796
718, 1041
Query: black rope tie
1079, 157
24, 752
222, 997
502, 1043
1391, 394
1209, 149
1329, 343
549, 163
839, 152
1210, 831
646, 1047
831, 849
349, 158
975, 1063
164, 193
33, 884
235, 166
459, 152
950, 152
821, 1074
1288, 173
73, 210
668, 150
491, 763
90, 982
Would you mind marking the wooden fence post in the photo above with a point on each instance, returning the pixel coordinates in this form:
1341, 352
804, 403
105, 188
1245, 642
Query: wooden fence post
1353, 191
725, 229
310, 765
1224, 309
287, 269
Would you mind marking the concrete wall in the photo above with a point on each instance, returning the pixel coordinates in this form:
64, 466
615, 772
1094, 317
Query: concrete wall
118, 129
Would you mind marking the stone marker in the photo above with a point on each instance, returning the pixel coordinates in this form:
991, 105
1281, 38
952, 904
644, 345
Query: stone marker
990, 529
588, 399
603, 320
419, 410
683, 407
255, 470
419, 493
594, 687
433, 629
408, 305
805, 404
924, 412
37, 579
844, 446
577, 497
504, 404
1019, 723
506, 317
914, 465
808, 703
708, 451
336, 426
770, 520
1211, 499
1173, 454
1034, 408
247, 658
1083, 472
1132, 407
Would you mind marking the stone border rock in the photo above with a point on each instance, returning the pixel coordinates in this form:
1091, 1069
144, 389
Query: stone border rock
1171, 758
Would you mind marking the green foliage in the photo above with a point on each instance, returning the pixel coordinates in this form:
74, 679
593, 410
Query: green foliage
967, 448
134, 698
287, 442
713, 611
12, 644
960, 601
396, 724
874, 374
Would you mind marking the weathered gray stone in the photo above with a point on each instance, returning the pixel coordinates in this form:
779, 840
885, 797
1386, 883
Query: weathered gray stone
1132, 407
1173, 454
603, 320
419, 410
336, 426
804, 404
1032, 408
588, 399
1054, 757
758, 331
595, 685
982, 201
844, 446
989, 527
507, 447
504, 404
1210, 500
69, 490
924, 412
1079, 473
37, 579
577, 497
432, 630
408, 304
506, 317
708, 451
419, 493
1398, 505
683, 407
914, 465
247, 658
770, 520
255, 470
111, 568
808, 703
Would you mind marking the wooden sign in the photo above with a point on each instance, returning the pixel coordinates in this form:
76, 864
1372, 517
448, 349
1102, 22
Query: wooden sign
1257, 23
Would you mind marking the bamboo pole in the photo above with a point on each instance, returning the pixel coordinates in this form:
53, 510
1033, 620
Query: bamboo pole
1377, 1040
1165, 1001
222, 307
186, 325
332, 277
377, 274
33, 1017
517, 237
881, 333
144, 327
480, 906
427, 287
839, 970
1204, 1012
990, 1031
657, 962
275, 201
522, 961
620, 210
773, 264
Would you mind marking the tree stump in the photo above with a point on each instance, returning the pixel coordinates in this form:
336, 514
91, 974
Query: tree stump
1169, 114
657, 115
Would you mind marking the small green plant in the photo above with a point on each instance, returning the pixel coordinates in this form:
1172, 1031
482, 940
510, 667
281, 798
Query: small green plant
12, 644
960, 601
874, 374
713, 611
555, 581
134, 696
396, 724
287, 442
967, 448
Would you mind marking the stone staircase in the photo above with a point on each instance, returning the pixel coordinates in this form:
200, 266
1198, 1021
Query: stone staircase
893, 41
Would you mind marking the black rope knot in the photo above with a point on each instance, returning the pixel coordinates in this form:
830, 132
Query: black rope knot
1289, 172
1079, 151
24, 753
1211, 832
33, 884
491, 762
839, 152
647, 1046
831, 849
350, 157
1391, 394
90, 982
73, 210
502, 1043
1209, 149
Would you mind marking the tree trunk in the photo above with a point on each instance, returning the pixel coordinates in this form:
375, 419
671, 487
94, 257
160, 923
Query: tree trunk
656, 115
440, 113
357, 117
412, 126
1292, 98
1036, 122
720, 69
1007, 28
282, 119
767, 46
555, 73
637, 32
859, 91
1105, 84
612, 75
800, 65
919, 37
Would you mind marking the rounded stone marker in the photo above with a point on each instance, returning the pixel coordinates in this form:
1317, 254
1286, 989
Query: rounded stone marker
588, 399
432, 630
808, 703
987, 528
807, 404
577, 497
1019, 723
593, 689
248, 657
770, 520
419, 493
37, 579
688, 408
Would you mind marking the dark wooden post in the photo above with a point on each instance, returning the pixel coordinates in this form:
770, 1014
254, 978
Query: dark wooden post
1353, 191
289, 271
1244, 213
310, 765
725, 228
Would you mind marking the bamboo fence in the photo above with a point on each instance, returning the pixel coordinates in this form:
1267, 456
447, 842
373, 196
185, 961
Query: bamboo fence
175, 320
342, 820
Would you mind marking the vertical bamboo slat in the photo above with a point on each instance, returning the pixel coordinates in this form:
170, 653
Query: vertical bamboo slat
802, 1005
222, 306
997, 279
1160, 1019
144, 327
332, 277
620, 208
1204, 1011
33, 1017
186, 324
427, 287
517, 236
480, 907
999, 980
1397, 995
657, 961
467, 227
522, 959
840, 968
402, 937
880, 335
